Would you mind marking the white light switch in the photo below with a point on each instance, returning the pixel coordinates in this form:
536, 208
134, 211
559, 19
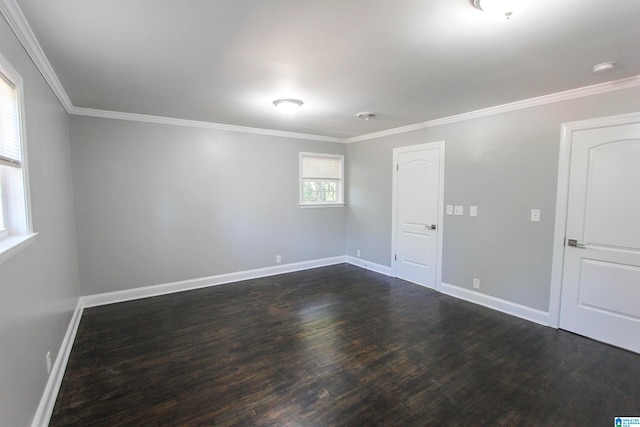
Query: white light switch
458, 210
535, 215
449, 209
473, 211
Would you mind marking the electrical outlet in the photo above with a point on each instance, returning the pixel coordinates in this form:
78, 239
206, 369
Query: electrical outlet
535, 215
278, 259
48, 362
476, 283
358, 253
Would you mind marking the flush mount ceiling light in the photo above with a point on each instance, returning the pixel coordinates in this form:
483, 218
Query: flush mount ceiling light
602, 67
504, 8
288, 106
366, 115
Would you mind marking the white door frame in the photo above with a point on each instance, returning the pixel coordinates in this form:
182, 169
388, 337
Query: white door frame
562, 200
430, 145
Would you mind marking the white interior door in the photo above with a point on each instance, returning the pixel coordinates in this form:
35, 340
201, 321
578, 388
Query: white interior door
601, 273
417, 213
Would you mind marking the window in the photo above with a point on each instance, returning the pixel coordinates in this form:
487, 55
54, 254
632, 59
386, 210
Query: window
14, 219
321, 179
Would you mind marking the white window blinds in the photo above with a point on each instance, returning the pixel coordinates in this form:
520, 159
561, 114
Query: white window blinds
321, 168
10, 152
321, 178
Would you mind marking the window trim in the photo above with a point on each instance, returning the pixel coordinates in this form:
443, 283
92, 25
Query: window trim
19, 233
301, 179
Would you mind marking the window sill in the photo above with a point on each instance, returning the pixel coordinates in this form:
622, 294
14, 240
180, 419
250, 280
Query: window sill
323, 205
12, 245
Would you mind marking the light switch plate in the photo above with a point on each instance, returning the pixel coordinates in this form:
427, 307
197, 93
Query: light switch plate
473, 211
458, 210
449, 209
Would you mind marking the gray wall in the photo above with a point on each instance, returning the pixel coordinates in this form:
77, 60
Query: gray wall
505, 164
157, 203
38, 286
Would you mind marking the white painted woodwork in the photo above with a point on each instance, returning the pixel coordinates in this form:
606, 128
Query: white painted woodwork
224, 62
417, 208
601, 279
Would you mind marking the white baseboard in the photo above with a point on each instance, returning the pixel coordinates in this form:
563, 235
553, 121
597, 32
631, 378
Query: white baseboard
48, 400
504, 306
186, 285
378, 268
508, 307
50, 394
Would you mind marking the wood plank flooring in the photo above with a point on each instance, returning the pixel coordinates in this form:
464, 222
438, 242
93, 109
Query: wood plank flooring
335, 346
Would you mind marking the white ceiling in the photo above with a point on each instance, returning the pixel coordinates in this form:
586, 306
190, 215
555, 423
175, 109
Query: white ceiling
410, 61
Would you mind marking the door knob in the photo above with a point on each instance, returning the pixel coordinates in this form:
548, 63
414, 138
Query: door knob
574, 243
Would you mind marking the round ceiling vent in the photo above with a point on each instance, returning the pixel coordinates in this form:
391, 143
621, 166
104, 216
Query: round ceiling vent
366, 115
602, 67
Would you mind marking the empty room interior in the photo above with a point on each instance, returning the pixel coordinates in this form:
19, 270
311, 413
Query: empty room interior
296, 213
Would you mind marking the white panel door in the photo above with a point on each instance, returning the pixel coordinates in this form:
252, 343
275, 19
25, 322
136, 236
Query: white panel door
601, 277
417, 208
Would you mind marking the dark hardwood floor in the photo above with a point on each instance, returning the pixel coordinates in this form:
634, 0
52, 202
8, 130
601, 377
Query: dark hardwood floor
335, 346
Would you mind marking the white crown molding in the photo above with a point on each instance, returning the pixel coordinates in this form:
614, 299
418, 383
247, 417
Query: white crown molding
601, 88
18, 23
90, 112
14, 16
597, 89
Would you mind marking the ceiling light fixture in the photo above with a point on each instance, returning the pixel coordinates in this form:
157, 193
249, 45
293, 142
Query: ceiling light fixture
288, 106
366, 115
505, 8
602, 67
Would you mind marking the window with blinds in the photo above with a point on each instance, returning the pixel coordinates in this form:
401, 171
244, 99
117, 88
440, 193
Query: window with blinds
321, 179
13, 198
10, 150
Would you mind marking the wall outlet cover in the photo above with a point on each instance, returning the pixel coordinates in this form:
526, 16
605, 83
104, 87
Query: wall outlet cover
535, 215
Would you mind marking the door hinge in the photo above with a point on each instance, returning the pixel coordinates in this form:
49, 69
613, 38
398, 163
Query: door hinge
395, 257
397, 167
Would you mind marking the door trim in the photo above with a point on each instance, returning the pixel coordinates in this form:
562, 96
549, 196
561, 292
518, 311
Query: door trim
562, 199
407, 149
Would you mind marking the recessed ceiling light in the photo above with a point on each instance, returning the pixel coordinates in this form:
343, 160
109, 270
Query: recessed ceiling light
505, 8
602, 67
366, 115
288, 106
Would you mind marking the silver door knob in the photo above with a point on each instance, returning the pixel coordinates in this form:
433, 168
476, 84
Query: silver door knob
574, 243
